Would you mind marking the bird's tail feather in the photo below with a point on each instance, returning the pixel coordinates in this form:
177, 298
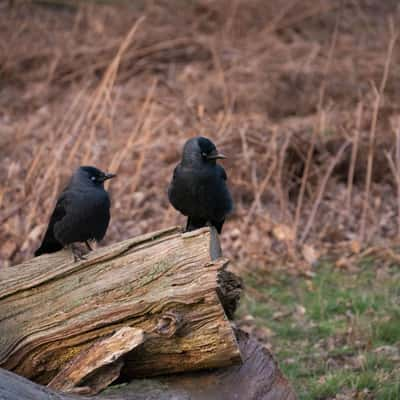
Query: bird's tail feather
194, 223
48, 247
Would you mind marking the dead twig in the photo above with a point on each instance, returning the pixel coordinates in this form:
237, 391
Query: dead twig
395, 169
371, 146
354, 152
321, 115
321, 191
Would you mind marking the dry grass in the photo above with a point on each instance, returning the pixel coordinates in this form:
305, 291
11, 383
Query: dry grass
288, 91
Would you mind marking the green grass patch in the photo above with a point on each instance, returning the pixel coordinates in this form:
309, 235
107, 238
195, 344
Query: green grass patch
336, 333
387, 331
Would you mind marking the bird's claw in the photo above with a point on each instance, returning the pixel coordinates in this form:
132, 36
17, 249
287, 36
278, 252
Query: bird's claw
79, 257
78, 254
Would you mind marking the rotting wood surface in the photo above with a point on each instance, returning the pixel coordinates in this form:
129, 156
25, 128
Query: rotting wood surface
164, 283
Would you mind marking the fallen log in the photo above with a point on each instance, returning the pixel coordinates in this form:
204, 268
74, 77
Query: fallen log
57, 314
257, 378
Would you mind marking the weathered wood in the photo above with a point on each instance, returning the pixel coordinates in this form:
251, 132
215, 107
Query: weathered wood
94, 369
258, 378
164, 283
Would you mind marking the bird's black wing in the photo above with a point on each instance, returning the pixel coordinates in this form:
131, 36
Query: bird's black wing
224, 200
176, 195
87, 216
50, 244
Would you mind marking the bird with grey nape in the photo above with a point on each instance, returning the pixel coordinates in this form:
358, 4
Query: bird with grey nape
198, 188
81, 214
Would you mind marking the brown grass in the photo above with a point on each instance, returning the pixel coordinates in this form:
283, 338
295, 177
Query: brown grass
286, 89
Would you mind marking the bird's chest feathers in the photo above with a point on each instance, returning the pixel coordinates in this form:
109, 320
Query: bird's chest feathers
198, 184
94, 202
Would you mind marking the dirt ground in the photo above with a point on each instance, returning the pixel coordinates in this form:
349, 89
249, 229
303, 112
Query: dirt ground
303, 96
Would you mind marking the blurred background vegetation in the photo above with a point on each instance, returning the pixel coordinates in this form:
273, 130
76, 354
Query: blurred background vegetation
303, 96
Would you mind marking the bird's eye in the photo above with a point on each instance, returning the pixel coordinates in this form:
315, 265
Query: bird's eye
93, 178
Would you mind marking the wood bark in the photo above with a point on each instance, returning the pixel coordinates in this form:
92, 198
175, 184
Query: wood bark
257, 378
166, 284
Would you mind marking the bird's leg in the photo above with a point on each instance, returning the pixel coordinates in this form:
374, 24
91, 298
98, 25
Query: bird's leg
187, 225
77, 253
88, 245
217, 224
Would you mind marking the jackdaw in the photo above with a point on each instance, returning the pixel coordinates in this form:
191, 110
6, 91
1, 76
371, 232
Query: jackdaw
82, 213
198, 188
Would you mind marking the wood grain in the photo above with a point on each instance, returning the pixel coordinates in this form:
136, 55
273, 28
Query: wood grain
164, 283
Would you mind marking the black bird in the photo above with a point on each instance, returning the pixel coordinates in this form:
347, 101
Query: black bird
198, 188
82, 212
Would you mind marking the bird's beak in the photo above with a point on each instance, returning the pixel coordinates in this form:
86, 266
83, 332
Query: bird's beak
108, 176
215, 156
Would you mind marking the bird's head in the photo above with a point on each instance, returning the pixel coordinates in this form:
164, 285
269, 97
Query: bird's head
92, 175
201, 149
